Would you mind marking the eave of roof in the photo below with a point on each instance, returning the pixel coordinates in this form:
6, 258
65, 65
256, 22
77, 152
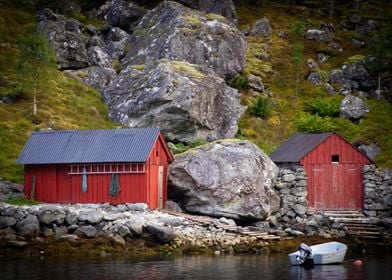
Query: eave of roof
89, 146
298, 146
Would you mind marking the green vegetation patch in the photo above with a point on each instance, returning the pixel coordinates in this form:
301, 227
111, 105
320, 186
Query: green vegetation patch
261, 107
193, 21
255, 64
63, 102
184, 67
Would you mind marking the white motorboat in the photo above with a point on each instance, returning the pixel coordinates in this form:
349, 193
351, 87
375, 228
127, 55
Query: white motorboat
325, 253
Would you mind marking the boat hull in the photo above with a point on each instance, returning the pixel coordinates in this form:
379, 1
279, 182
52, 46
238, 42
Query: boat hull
326, 253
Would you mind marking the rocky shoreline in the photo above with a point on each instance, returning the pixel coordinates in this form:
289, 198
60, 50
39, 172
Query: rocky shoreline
102, 229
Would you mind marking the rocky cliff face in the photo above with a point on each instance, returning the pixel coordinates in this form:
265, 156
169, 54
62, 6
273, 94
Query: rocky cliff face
173, 66
184, 100
176, 32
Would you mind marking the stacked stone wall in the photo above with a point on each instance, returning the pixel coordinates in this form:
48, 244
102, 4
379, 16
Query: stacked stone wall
377, 192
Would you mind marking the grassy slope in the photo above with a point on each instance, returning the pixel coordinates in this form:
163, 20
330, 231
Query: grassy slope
290, 104
71, 105
68, 104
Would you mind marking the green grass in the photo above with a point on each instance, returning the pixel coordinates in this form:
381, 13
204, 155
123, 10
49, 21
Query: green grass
20, 201
67, 103
308, 108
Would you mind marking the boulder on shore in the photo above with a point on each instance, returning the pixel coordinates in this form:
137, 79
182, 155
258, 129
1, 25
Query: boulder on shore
227, 178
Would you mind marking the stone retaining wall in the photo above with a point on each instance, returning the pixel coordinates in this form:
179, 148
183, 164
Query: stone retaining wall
294, 211
121, 224
294, 215
378, 192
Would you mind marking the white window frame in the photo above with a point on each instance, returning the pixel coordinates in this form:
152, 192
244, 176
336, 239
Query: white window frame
127, 168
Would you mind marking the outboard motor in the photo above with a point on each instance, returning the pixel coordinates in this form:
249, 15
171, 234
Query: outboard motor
305, 257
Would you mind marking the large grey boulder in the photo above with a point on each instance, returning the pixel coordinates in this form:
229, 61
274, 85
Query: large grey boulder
371, 150
227, 178
94, 76
9, 190
353, 107
184, 100
49, 214
120, 13
66, 37
261, 28
176, 32
224, 8
28, 227
352, 76
356, 71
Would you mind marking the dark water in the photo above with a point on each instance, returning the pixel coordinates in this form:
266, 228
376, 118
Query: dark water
273, 266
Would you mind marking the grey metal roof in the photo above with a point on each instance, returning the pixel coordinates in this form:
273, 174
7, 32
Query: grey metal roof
298, 146
89, 146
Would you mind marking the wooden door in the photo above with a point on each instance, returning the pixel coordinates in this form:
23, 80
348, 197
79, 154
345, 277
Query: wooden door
335, 187
160, 186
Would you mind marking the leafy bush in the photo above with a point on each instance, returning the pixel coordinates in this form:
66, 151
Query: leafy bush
182, 147
261, 107
306, 122
240, 81
324, 108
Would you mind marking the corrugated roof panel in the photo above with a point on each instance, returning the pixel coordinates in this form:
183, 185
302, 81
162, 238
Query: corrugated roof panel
120, 145
298, 146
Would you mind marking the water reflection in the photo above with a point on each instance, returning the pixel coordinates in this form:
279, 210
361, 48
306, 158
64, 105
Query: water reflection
190, 267
319, 272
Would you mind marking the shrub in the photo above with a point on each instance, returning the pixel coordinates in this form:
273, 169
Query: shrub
306, 122
240, 81
324, 108
261, 107
182, 147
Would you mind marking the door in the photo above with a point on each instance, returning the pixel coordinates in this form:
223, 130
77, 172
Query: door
336, 187
160, 186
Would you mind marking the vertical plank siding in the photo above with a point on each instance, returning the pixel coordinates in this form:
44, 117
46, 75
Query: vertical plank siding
53, 183
335, 186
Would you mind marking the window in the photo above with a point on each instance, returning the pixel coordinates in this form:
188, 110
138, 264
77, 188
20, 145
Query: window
335, 159
77, 169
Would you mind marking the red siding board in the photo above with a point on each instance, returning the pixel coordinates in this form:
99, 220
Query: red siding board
335, 186
54, 184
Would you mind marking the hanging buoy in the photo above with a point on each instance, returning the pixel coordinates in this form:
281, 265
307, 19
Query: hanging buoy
358, 262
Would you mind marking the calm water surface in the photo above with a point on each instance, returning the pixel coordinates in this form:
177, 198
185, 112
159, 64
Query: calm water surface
273, 266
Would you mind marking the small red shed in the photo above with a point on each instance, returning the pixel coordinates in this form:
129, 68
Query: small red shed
333, 166
97, 166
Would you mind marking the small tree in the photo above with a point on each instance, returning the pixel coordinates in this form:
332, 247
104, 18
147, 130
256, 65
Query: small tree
36, 61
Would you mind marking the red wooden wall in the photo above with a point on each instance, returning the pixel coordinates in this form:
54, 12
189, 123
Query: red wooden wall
335, 186
54, 184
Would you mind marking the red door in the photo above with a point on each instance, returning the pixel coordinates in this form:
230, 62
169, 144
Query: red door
335, 187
